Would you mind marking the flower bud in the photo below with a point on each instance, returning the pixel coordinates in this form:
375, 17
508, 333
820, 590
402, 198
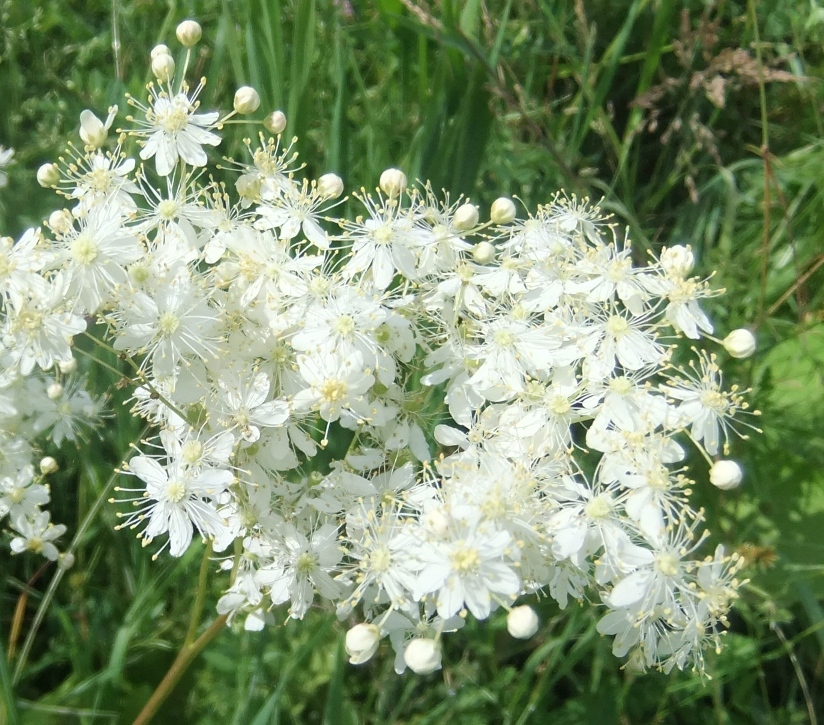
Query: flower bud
726, 475
54, 391
48, 465
67, 367
60, 221
275, 122
65, 561
437, 521
522, 622
739, 343
422, 656
160, 49
503, 211
92, 131
677, 260
362, 642
247, 100
393, 182
188, 33
483, 252
163, 67
466, 217
330, 186
48, 175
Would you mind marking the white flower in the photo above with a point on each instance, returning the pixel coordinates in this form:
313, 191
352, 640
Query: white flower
5, 160
423, 656
37, 535
175, 500
175, 131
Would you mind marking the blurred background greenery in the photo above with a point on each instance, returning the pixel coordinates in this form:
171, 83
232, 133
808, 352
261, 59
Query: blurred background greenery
696, 122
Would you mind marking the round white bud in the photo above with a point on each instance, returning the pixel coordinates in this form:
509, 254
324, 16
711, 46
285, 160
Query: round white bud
92, 131
362, 642
422, 656
330, 186
392, 182
65, 561
163, 68
437, 521
522, 622
739, 343
726, 475
188, 33
48, 465
247, 100
466, 217
275, 122
160, 49
67, 367
48, 175
678, 260
503, 210
483, 252
60, 221
54, 391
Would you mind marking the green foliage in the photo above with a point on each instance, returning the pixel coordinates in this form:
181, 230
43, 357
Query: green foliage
659, 108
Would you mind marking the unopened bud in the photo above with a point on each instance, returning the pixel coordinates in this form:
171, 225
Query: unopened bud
393, 182
330, 186
362, 642
67, 367
54, 391
60, 221
422, 656
437, 521
483, 252
275, 122
522, 622
503, 210
739, 343
247, 100
48, 465
160, 49
466, 217
48, 175
92, 131
163, 67
678, 260
65, 561
188, 33
726, 475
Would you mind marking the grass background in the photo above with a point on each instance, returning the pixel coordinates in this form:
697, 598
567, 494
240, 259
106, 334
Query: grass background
695, 122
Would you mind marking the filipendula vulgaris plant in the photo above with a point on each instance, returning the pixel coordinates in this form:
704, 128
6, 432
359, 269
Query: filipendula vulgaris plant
466, 373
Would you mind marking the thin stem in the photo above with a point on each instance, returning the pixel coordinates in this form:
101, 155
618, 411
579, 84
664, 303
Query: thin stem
184, 658
200, 596
58, 576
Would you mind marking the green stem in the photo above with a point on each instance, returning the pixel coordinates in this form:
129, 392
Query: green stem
200, 596
184, 658
58, 576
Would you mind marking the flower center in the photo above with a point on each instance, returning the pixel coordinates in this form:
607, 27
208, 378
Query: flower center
617, 325
168, 324
380, 560
192, 451
667, 564
599, 507
306, 563
175, 490
167, 209
465, 559
621, 385
174, 120
84, 249
333, 390
503, 338
344, 326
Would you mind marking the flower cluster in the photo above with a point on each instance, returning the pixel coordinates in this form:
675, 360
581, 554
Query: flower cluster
412, 415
